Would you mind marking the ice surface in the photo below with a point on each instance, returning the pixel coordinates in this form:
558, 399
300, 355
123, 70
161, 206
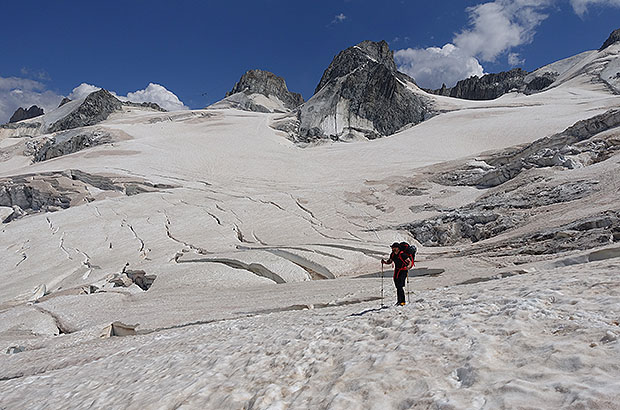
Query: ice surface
233, 203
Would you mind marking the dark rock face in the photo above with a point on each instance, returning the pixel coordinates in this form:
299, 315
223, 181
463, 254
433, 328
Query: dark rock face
266, 83
150, 105
53, 191
64, 101
614, 37
489, 86
95, 108
540, 83
65, 143
353, 57
361, 94
22, 114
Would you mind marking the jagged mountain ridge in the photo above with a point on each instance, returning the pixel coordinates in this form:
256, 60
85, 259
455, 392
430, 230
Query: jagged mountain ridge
362, 95
243, 234
491, 86
25, 114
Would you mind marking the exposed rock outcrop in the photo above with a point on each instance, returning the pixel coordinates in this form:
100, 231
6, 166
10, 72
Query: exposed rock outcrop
497, 212
266, 84
613, 38
594, 231
64, 101
572, 148
150, 105
66, 142
95, 108
491, 86
22, 114
362, 95
53, 191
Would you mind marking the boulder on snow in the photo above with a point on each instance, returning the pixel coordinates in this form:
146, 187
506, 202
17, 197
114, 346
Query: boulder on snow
38, 293
118, 329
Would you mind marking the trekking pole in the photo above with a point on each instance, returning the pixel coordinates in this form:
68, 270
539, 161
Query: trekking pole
381, 284
408, 298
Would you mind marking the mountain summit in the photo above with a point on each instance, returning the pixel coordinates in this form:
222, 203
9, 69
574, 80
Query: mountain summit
261, 91
266, 83
614, 37
362, 95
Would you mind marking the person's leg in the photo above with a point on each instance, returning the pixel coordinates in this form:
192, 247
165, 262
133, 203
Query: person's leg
396, 282
400, 285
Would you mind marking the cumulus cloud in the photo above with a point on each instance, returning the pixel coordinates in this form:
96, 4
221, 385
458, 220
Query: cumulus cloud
18, 92
581, 6
152, 93
82, 91
434, 66
499, 26
160, 95
494, 29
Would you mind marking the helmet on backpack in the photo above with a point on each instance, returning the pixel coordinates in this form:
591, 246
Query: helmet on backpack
408, 249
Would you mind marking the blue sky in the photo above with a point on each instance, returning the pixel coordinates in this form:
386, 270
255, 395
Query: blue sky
197, 50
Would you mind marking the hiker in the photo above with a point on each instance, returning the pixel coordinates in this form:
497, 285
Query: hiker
402, 263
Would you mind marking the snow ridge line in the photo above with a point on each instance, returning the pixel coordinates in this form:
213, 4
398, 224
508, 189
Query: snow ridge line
24, 257
62, 246
134, 234
255, 268
62, 327
197, 249
311, 267
212, 215
295, 248
240, 236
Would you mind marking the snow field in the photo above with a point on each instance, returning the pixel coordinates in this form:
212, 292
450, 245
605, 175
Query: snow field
543, 341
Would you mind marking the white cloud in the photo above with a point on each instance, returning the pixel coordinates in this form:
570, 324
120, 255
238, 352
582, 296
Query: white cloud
499, 26
82, 91
152, 93
494, 29
433, 66
514, 59
18, 92
581, 6
160, 95
339, 18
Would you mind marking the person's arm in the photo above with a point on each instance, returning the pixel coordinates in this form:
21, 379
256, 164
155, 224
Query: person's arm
387, 262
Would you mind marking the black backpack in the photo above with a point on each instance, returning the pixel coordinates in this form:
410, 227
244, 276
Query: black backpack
409, 250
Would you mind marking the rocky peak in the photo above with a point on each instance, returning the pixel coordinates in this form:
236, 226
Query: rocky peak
614, 37
362, 95
22, 114
95, 108
354, 57
266, 83
489, 86
64, 101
